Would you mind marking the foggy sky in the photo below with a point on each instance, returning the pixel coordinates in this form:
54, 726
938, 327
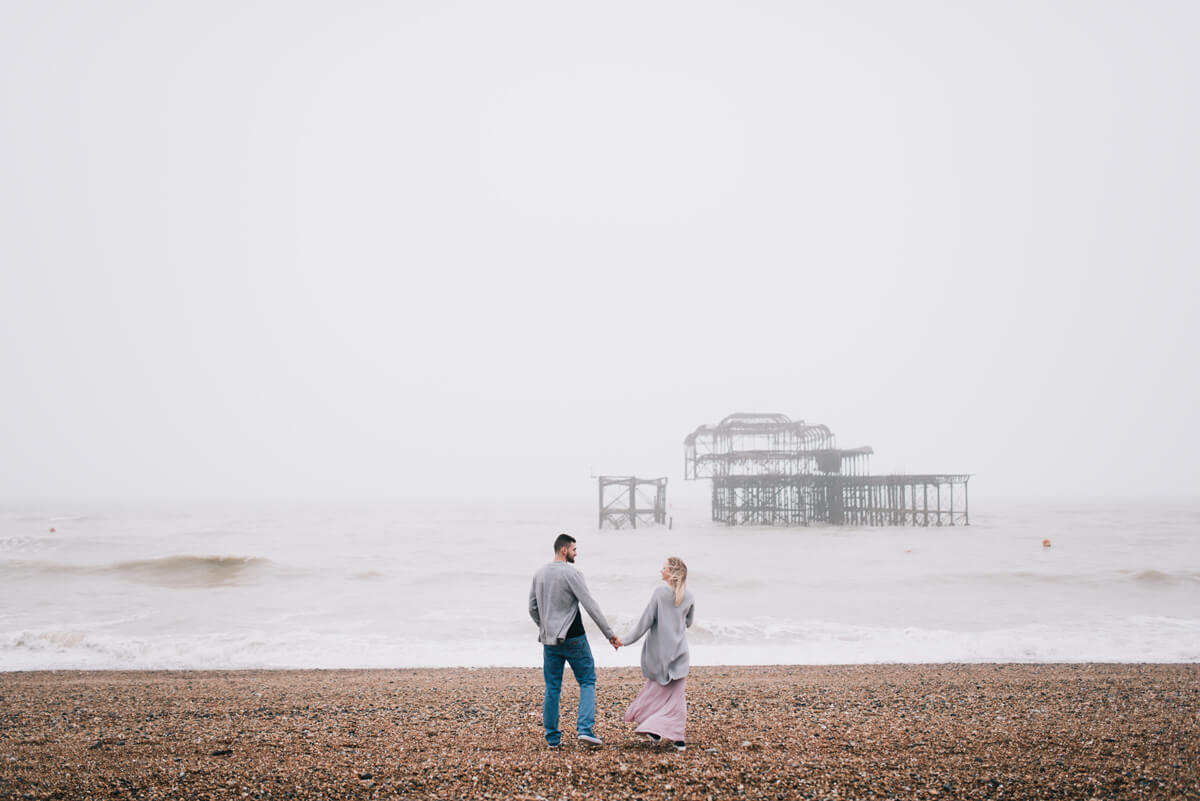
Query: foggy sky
401, 249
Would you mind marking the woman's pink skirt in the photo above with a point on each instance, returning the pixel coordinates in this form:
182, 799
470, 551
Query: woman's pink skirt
660, 709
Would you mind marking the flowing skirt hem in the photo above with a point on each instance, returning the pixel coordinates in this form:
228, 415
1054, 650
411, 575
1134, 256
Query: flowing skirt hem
660, 709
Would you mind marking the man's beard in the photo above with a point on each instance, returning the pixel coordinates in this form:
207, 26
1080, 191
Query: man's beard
570, 559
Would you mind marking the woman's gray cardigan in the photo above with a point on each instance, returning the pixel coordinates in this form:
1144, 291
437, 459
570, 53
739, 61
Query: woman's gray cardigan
665, 652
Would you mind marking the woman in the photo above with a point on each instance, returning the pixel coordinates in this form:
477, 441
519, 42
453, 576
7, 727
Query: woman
660, 710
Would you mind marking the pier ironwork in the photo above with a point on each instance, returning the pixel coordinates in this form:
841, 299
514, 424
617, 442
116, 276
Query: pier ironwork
767, 469
630, 502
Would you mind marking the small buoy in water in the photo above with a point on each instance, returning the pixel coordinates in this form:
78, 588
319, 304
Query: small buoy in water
52, 529
1045, 543
908, 550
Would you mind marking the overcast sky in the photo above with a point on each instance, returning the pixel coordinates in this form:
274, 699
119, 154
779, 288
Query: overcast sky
399, 249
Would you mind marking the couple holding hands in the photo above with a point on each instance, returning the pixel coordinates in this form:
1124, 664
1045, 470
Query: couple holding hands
660, 709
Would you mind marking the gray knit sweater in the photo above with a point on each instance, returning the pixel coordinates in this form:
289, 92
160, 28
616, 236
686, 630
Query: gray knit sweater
557, 591
665, 652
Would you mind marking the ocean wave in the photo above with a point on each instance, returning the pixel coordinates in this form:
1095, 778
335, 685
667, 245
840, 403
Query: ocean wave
24, 543
443, 578
368, 575
769, 641
42, 517
182, 570
1158, 577
1104, 578
190, 571
762, 642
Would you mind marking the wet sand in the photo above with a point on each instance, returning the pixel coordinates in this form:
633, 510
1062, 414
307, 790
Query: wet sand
793, 732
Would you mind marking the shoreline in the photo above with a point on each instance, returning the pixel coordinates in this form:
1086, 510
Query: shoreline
952, 730
1183, 663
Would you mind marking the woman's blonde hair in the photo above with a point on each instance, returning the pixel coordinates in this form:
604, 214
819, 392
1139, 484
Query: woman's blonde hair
677, 577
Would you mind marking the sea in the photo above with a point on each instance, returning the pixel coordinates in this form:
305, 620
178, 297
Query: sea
229, 585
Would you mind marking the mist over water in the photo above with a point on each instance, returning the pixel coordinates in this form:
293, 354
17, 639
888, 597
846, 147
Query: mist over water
463, 251
255, 585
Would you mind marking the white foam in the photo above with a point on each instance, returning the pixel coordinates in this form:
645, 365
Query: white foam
1138, 639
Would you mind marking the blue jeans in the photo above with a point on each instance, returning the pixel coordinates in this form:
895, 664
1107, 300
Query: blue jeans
577, 652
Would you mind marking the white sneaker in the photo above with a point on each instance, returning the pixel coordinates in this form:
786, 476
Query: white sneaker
591, 739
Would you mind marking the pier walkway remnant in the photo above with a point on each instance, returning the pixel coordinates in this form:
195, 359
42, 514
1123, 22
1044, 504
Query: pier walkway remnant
620, 497
768, 469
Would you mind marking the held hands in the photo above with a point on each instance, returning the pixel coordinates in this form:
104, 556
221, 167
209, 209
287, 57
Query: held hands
615, 641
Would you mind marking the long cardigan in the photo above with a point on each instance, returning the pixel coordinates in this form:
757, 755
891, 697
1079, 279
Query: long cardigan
665, 652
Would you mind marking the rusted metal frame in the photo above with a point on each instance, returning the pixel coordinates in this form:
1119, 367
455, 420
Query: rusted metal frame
771, 445
617, 514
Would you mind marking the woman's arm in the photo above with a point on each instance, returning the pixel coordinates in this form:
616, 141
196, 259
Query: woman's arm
644, 623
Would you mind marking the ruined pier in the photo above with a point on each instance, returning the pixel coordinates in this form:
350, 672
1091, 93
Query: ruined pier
629, 501
769, 470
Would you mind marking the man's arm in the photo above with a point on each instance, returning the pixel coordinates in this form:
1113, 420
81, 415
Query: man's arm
579, 587
533, 609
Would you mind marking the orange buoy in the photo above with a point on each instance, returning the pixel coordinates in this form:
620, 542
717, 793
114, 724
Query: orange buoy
1045, 543
52, 529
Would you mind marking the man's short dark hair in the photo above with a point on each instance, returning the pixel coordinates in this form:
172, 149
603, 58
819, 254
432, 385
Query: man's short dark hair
562, 541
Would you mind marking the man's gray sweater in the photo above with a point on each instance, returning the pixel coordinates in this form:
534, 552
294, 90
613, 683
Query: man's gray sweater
554, 598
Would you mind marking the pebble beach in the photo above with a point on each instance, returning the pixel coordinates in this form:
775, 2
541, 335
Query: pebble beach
995, 731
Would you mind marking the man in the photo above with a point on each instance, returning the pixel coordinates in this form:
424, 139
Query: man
554, 598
